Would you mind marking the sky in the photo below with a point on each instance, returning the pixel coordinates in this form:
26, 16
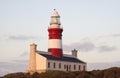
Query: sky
90, 26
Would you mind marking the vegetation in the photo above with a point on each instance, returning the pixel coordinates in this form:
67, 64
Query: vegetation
107, 73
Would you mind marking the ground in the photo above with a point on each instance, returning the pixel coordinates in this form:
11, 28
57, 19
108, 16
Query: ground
107, 73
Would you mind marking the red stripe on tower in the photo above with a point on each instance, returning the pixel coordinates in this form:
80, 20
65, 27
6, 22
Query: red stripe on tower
55, 36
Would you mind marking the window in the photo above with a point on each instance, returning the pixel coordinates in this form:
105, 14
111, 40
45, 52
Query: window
54, 65
79, 67
48, 64
59, 65
84, 68
74, 67
64, 66
69, 67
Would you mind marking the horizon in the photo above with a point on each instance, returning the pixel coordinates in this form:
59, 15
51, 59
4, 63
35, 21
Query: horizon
91, 27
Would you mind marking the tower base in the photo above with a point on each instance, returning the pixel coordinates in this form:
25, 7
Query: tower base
56, 52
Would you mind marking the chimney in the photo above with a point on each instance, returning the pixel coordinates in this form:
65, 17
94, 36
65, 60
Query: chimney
32, 61
74, 53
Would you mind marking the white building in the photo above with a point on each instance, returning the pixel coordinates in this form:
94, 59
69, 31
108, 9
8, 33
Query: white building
54, 59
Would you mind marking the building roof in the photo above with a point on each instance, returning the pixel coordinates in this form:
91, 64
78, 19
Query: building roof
64, 58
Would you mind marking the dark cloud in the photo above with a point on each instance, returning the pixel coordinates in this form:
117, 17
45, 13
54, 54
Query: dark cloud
85, 46
106, 48
21, 37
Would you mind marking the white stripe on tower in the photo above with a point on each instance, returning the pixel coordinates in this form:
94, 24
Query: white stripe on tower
55, 36
55, 43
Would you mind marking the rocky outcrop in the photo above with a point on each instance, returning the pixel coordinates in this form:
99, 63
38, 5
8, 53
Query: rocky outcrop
108, 73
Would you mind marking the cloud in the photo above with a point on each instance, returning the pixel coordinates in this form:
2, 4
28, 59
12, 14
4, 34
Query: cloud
87, 46
22, 65
101, 66
24, 54
21, 37
106, 48
13, 66
98, 44
84, 46
109, 36
115, 35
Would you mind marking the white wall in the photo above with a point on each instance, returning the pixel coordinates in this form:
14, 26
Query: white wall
42, 64
65, 63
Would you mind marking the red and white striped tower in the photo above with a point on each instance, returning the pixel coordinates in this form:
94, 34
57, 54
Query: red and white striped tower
55, 36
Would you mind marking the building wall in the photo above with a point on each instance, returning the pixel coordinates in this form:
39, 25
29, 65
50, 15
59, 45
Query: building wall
66, 66
40, 63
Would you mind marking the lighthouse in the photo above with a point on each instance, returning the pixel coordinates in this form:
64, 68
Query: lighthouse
55, 36
54, 58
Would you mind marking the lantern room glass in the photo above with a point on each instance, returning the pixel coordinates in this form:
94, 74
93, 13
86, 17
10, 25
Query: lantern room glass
55, 20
